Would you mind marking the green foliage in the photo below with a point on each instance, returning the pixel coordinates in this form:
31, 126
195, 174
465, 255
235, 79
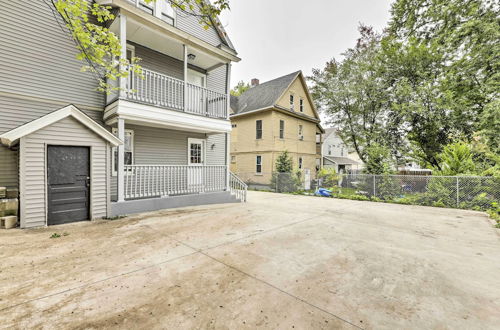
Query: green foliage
55, 235
240, 88
429, 80
284, 163
328, 176
378, 159
455, 159
283, 178
352, 92
100, 48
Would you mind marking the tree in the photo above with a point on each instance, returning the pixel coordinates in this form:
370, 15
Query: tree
100, 48
456, 159
284, 163
353, 93
283, 178
456, 88
240, 88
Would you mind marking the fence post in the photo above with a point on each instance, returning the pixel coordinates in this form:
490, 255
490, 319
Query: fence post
374, 189
458, 198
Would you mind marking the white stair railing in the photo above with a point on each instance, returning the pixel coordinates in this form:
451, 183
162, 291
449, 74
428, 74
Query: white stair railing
143, 181
238, 187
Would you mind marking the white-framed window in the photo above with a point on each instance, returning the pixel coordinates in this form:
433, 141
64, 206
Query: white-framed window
318, 164
258, 129
130, 52
166, 12
147, 7
301, 105
129, 150
301, 132
282, 129
342, 151
291, 101
196, 151
196, 78
300, 163
258, 164
233, 159
329, 149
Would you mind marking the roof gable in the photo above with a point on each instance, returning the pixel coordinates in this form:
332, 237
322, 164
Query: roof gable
10, 137
269, 93
264, 95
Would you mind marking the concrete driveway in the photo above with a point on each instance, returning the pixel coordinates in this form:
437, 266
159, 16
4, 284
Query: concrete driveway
278, 261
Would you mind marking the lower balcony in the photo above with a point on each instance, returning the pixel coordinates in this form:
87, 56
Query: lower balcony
148, 181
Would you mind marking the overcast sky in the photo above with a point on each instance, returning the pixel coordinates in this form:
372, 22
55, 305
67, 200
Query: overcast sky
277, 37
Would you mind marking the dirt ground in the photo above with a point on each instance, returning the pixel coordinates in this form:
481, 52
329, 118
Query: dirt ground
278, 261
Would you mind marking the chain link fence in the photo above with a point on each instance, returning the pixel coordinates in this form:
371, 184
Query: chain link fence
467, 192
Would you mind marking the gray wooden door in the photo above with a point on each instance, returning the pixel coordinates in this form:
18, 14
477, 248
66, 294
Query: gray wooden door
68, 179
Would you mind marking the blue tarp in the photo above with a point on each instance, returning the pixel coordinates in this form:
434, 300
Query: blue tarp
323, 192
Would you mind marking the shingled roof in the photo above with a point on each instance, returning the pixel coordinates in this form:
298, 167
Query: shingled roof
262, 96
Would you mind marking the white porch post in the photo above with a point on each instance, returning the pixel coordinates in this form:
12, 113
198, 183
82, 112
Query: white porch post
185, 75
123, 55
121, 161
228, 135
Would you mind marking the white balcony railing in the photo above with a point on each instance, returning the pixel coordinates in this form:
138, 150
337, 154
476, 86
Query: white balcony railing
143, 181
164, 91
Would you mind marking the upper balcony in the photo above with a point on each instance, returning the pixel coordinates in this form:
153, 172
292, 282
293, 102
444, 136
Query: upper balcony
167, 92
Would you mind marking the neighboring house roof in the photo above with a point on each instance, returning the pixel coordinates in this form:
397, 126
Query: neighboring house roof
10, 137
341, 160
264, 95
328, 132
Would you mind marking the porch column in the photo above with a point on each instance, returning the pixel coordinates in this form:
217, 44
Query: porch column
228, 135
228, 160
228, 89
185, 75
120, 173
123, 55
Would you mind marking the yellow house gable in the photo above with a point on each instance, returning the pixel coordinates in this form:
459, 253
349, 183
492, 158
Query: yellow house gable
298, 89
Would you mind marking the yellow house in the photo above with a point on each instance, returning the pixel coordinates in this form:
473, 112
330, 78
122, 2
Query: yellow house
270, 118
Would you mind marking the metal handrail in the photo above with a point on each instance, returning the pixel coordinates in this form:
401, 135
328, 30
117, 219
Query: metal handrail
238, 187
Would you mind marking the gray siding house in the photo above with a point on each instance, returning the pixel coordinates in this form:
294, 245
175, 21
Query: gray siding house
77, 154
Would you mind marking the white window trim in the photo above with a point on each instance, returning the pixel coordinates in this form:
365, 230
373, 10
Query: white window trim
203, 151
158, 11
256, 163
301, 160
301, 132
291, 99
301, 104
115, 132
132, 49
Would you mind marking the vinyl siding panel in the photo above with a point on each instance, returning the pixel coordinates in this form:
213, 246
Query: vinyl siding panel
67, 131
157, 146
38, 57
161, 63
216, 79
191, 25
14, 112
217, 155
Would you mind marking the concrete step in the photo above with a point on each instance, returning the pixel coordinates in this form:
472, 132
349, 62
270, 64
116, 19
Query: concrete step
8, 222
